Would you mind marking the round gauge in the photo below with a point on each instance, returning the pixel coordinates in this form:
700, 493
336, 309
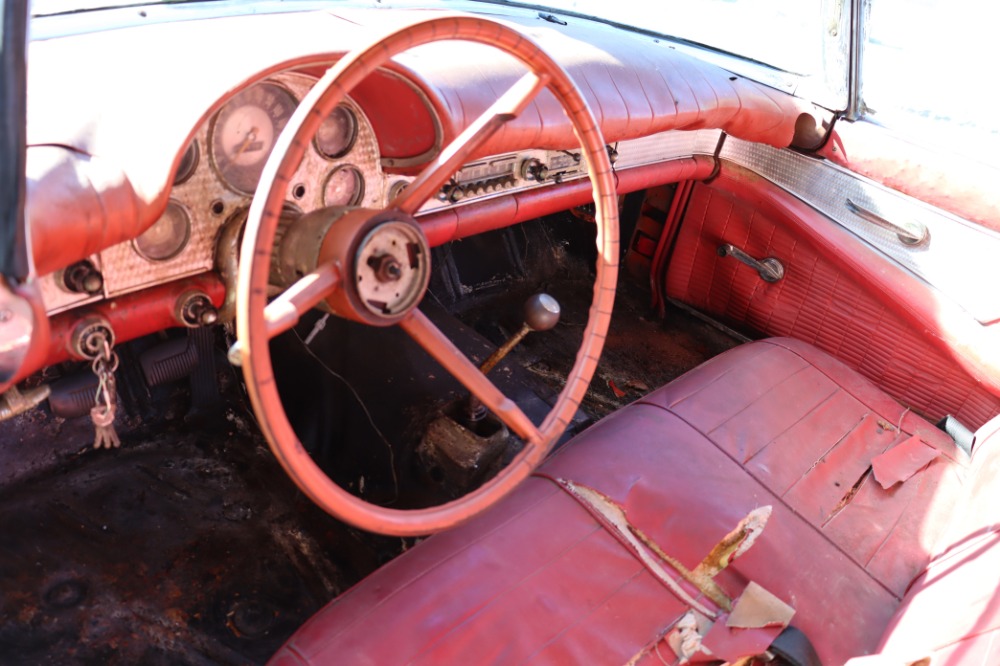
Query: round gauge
189, 162
344, 187
244, 133
167, 237
336, 135
397, 189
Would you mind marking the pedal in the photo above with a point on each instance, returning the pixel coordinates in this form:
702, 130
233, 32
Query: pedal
73, 396
204, 383
169, 362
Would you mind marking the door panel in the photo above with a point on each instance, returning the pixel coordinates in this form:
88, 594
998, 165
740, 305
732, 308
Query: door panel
820, 300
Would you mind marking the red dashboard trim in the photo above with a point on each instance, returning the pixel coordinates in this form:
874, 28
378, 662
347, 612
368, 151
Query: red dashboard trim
131, 316
454, 223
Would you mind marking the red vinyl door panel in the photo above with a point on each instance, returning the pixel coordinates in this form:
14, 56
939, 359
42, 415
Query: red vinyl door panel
820, 300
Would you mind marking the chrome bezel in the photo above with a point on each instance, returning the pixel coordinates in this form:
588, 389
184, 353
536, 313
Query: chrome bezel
350, 144
177, 250
213, 127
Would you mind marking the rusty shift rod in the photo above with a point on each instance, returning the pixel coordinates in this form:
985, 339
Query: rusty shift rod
541, 313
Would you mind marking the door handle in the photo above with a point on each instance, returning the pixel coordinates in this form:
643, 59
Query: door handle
769, 269
909, 233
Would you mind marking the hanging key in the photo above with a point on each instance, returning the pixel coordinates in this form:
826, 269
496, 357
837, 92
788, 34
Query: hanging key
103, 411
105, 435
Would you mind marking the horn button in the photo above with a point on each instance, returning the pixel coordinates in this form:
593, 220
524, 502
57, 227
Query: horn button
391, 269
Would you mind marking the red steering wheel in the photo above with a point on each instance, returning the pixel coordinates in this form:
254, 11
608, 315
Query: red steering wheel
373, 267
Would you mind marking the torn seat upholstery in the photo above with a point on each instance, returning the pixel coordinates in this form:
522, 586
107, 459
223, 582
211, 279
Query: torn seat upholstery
539, 578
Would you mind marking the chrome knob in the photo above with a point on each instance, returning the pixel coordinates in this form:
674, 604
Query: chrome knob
541, 312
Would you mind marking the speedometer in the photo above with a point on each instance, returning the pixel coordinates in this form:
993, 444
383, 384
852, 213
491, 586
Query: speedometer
244, 132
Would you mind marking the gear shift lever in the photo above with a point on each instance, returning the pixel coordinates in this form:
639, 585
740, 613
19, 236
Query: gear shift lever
541, 313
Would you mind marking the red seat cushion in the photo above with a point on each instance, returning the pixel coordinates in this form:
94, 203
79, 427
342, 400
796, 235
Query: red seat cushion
538, 578
951, 612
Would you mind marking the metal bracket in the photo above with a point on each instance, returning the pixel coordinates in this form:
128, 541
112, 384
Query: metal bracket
769, 269
13, 402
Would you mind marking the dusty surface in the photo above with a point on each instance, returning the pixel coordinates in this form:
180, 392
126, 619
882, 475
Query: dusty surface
188, 547
641, 353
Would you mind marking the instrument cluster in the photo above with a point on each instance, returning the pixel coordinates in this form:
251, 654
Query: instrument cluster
216, 180
219, 172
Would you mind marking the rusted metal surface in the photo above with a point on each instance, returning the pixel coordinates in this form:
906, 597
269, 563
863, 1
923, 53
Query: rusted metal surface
189, 547
459, 457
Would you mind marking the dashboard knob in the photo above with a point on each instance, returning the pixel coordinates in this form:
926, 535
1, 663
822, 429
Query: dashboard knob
83, 278
195, 309
534, 169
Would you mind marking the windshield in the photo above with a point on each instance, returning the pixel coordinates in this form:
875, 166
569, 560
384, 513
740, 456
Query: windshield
804, 43
783, 36
798, 46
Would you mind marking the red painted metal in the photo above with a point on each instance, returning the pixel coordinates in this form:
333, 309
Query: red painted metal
131, 316
957, 183
452, 224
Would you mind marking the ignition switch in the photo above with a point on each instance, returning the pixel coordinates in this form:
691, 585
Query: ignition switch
195, 309
90, 336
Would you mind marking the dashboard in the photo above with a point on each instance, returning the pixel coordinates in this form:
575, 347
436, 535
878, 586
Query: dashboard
220, 168
139, 196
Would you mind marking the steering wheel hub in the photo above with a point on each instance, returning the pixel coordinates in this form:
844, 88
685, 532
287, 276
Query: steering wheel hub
392, 269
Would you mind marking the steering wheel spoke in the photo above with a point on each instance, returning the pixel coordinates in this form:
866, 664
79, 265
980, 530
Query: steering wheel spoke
510, 105
444, 351
285, 311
